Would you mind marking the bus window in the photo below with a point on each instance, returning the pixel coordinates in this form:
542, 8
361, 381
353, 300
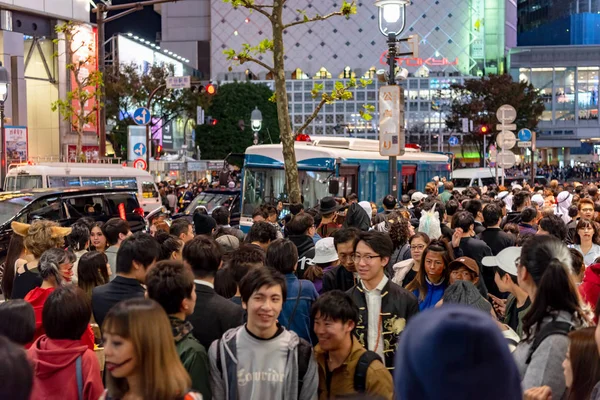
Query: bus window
149, 190
63, 181
129, 183
28, 182
95, 181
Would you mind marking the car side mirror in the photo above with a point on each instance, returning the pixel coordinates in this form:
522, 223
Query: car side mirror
334, 186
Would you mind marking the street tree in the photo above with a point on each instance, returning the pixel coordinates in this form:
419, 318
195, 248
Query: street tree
80, 107
479, 99
273, 11
129, 87
231, 108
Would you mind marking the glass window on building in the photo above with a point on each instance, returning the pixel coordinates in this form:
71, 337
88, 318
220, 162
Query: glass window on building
564, 99
299, 74
587, 92
298, 108
370, 74
542, 79
298, 96
308, 108
360, 95
322, 74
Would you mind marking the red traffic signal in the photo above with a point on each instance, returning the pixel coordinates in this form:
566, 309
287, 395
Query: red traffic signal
210, 89
483, 130
158, 151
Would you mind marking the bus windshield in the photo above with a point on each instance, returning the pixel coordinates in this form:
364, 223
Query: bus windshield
264, 185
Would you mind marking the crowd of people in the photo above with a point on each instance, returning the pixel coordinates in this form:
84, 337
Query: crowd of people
492, 293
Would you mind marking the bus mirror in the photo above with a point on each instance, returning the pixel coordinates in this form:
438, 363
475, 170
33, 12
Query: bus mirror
334, 186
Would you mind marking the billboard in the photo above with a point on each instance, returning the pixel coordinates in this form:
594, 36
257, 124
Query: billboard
84, 46
15, 143
91, 153
132, 51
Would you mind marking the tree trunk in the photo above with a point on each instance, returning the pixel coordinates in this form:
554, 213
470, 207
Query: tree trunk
283, 116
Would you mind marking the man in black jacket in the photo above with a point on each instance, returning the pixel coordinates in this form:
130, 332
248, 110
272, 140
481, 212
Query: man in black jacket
136, 254
475, 208
214, 314
472, 247
521, 200
389, 205
342, 277
384, 307
301, 230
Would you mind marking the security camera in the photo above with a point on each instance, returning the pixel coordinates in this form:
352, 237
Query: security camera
402, 74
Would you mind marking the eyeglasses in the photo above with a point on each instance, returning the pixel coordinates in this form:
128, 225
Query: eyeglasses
418, 247
368, 258
587, 209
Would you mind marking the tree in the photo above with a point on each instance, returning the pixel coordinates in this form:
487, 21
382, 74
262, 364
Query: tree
231, 107
479, 99
80, 108
273, 11
127, 88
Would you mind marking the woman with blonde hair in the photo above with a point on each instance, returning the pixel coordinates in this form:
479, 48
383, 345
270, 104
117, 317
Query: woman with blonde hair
141, 359
38, 237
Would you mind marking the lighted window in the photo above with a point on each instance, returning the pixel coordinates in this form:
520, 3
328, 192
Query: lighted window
347, 73
299, 74
322, 74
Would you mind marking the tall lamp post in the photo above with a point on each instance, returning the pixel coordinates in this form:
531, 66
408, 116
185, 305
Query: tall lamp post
4, 84
256, 122
392, 20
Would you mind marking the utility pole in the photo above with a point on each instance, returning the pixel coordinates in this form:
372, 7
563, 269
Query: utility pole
101, 10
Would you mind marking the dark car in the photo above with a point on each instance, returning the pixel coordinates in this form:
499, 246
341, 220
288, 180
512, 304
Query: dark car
65, 206
211, 199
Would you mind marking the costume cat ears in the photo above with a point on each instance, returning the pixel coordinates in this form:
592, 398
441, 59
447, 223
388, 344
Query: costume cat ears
22, 229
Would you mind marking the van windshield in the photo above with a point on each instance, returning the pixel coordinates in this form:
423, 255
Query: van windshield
27, 182
462, 182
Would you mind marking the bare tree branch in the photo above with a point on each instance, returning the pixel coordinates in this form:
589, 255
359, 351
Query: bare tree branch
312, 116
254, 60
248, 4
313, 19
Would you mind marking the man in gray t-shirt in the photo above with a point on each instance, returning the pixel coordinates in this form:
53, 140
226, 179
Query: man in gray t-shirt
261, 359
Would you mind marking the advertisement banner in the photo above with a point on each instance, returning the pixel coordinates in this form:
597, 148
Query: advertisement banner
15, 139
84, 46
167, 135
91, 153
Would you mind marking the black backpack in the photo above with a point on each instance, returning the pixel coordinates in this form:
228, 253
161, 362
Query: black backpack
360, 374
551, 328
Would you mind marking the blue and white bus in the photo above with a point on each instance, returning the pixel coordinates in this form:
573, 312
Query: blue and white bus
355, 163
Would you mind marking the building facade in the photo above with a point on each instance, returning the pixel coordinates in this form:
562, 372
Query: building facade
567, 77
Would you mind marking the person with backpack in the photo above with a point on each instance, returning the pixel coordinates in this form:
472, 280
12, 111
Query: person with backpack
262, 359
300, 231
346, 368
542, 271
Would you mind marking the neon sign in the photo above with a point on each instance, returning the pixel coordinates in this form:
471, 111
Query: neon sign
417, 62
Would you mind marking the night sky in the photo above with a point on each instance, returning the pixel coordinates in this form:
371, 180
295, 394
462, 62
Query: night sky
144, 23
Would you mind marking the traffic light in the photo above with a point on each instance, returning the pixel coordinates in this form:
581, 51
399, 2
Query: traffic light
202, 88
211, 121
210, 89
484, 130
158, 150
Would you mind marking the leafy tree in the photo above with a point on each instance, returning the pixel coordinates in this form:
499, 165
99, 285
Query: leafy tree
273, 11
479, 99
86, 79
128, 88
231, 107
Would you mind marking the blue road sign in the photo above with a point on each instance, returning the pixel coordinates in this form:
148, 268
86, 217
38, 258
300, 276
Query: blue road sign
453, 140
139, 149
141, 116
524, 135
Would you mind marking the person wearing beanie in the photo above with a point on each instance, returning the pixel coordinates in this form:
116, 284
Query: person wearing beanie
204, 224
472, 361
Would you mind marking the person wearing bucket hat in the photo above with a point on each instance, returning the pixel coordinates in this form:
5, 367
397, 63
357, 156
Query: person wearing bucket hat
512, 310
464, 292
470, 358
328, 207
325, 259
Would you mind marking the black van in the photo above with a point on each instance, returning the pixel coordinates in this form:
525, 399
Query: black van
211, 199
65, 206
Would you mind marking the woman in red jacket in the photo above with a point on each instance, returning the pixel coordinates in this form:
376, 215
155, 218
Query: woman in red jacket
590, 285
64, 368
56, 269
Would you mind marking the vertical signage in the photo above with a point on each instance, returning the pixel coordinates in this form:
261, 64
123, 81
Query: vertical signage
15, 143
167, 135
136, 139
83, 46
391, 121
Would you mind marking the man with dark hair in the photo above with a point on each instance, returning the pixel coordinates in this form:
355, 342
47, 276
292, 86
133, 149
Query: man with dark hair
136, 255
222, 217
115, 230
296, 208
242, 261
183, 229
389, 204
384, 306
79, 242
572, 225
341, 358
259, 215
472, 247
272, 215
328, 207
352, 198
301, 230
203, 255
318, 218
343, 277
528, 217
171, 285
521, 200
452, 207
261, 234
261, 359
552, 225
475, 208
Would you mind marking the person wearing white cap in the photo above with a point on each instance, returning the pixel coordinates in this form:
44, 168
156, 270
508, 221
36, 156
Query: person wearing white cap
325, 259
537, 200
417, 197
513, 309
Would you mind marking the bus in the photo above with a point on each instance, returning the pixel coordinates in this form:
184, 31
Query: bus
64, 175
355, 164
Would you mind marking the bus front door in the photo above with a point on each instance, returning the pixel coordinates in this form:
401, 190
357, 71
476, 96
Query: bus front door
348, 180
409, 178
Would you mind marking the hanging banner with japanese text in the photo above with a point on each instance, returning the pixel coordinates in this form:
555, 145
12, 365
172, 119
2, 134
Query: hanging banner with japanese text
391, 121
15, 138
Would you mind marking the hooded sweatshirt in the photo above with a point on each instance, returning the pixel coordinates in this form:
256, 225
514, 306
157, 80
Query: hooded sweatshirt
55, 372
306, 252
357, 218
590, 285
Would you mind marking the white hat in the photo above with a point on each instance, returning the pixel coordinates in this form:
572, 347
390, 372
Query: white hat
502, 195
505, 260
325, 251
417, 196
517, 186
538, 199
365, 205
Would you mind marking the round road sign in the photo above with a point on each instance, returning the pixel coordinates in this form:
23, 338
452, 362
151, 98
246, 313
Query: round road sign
525, 135
139, 163
506, 159
506, 140
506, 114
453, 141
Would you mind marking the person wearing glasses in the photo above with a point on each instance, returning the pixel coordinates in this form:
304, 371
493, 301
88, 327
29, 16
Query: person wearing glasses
405, 271
385, 307
586, 240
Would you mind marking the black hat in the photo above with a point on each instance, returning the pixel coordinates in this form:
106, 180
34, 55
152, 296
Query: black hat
327, 205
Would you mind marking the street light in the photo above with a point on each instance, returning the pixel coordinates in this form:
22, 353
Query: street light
4, 84
256, 123
392, 20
